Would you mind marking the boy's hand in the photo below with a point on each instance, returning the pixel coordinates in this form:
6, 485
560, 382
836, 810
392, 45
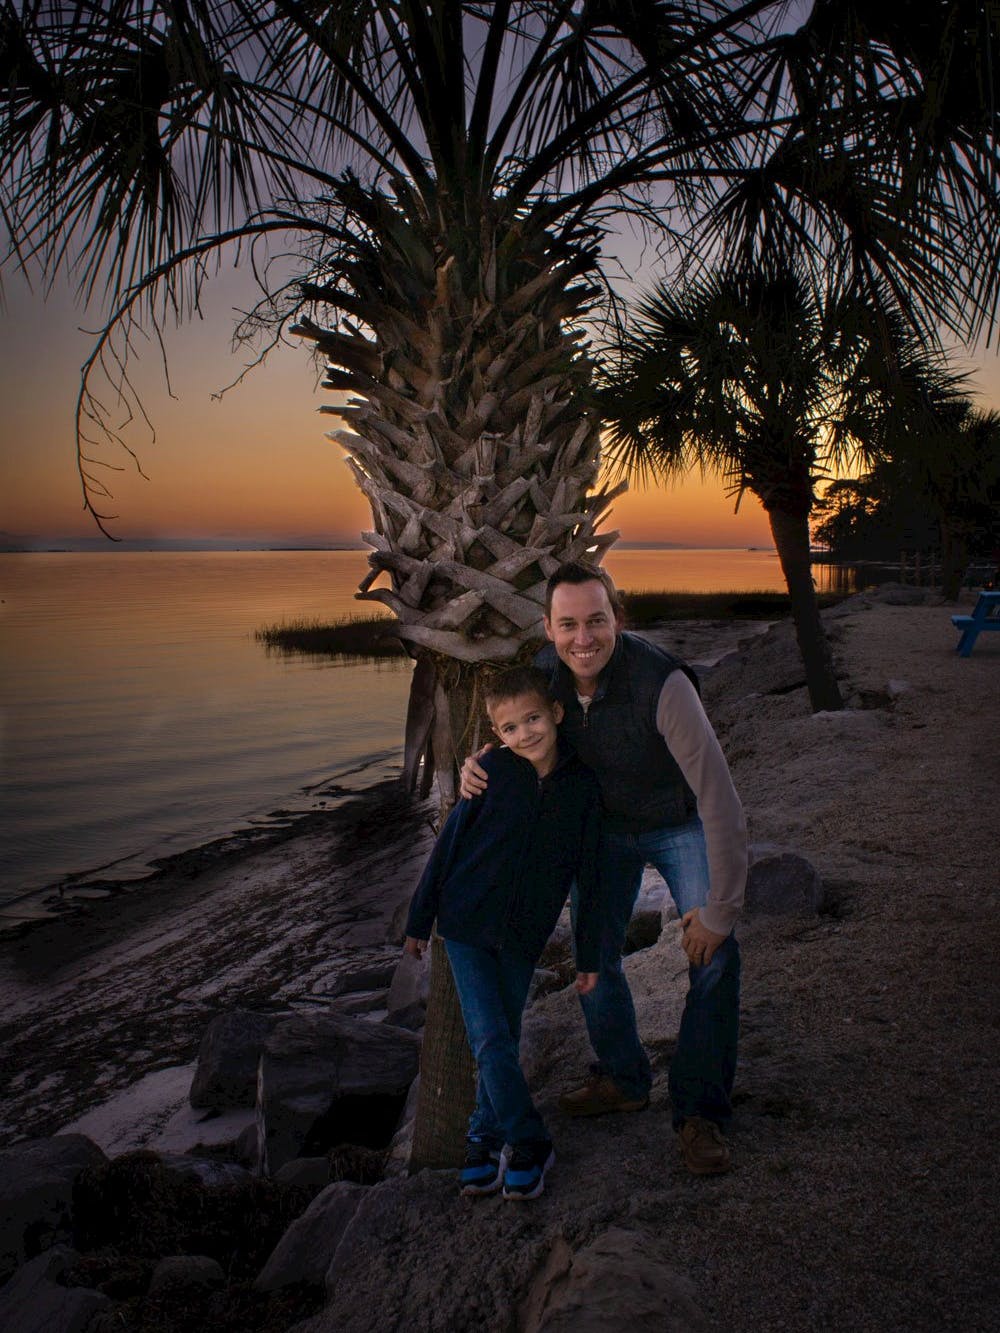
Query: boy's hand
697, 941
585, 982
473, 779
414, 947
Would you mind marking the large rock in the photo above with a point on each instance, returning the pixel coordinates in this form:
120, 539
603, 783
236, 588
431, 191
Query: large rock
178, 1271
406, 1003
621, 1280
325, 1079
643, 930
782, 884
226, 1074
204, 1170
306, 1250
34, 1301
36, 1194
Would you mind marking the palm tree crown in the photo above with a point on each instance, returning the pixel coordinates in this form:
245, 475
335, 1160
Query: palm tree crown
761, 379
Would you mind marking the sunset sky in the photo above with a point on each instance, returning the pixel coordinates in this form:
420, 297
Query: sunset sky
254, 467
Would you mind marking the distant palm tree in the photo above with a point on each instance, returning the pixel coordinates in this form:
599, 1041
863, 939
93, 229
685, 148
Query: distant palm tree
953, 464
443, 174
758, 379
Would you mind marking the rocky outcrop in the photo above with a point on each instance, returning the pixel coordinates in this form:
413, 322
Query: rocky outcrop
406, 1003
306, 1250
226, 1073
36, 1194
325, 1080
177, 1271
35, 1301
621, 1280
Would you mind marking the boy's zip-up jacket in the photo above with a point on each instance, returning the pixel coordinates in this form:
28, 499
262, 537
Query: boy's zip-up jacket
504, 861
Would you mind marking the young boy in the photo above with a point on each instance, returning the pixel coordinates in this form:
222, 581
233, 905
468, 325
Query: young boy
496, 883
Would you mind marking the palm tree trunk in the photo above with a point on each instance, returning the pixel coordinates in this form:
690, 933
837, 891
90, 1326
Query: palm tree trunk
447, 1074
791, 538
954, 559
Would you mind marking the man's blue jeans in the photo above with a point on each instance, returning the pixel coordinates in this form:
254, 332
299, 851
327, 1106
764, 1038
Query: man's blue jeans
704, 1063
492, 990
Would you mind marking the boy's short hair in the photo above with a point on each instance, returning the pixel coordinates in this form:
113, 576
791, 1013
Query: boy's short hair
575, 571
516, 681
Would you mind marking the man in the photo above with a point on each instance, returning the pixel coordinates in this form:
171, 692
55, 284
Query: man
633, 713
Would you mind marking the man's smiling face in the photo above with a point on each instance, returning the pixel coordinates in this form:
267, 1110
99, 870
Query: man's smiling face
582, 625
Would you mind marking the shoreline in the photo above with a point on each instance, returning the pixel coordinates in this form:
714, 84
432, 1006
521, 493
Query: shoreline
703, 642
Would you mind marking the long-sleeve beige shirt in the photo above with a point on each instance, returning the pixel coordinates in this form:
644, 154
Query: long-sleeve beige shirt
684, 726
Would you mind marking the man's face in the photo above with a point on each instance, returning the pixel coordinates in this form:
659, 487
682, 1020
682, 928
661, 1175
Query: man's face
582, 624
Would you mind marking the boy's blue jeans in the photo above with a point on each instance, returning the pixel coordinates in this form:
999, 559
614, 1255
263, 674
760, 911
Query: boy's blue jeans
704, 1063
492, 990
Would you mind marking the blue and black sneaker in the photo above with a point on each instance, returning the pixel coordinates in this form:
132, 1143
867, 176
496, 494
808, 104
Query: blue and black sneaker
484, 1166
526, 1168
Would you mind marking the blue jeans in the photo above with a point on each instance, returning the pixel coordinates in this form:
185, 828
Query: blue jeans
492, 990
704, 1063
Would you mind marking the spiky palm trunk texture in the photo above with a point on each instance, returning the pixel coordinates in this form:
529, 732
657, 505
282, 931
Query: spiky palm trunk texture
470, 433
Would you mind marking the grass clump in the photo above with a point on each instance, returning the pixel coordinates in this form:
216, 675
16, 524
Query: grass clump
354, 636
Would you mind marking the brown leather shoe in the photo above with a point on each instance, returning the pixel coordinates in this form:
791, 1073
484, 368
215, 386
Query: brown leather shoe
705, 1150
598, 1096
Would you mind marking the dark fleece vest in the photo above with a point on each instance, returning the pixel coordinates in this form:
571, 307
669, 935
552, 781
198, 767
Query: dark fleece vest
642, 787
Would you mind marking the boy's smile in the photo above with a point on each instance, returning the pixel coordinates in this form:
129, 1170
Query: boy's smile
527, 725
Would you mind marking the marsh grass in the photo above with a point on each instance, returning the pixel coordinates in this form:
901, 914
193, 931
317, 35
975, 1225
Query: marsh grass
353, 636
373, 638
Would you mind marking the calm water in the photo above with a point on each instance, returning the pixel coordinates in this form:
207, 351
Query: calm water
139, 716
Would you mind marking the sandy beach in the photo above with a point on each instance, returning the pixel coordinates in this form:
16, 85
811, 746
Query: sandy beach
863, 1194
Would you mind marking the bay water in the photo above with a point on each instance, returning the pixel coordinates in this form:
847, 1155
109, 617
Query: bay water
140, 716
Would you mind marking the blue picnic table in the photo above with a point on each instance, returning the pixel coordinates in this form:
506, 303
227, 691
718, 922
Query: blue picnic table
985, 616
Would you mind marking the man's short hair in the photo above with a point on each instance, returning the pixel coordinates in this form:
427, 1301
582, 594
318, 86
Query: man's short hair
513, 682
574, 571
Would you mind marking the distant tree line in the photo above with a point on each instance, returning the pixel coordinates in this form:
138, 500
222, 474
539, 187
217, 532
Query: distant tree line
939, 493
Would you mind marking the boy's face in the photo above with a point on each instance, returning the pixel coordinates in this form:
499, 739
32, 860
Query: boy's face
527, 725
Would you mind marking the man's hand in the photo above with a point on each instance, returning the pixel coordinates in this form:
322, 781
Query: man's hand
697, 941
473, 779
415, 948
585, 982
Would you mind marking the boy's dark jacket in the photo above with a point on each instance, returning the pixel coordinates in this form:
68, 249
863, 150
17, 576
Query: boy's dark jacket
504, 862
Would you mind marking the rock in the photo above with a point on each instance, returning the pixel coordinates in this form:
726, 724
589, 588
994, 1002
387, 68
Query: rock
226, 1074
653, 892
362, 1002
186, 1270
406, 1003
895, 688
621, 1280
324, 1080
188, 1130
33, 1301
203, 1170
560, 942
368, 976
36, 1194
643, 930
304, 1173
396, 932
246, 1149
544, 980
306, 1250
397, 1162
782, 884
